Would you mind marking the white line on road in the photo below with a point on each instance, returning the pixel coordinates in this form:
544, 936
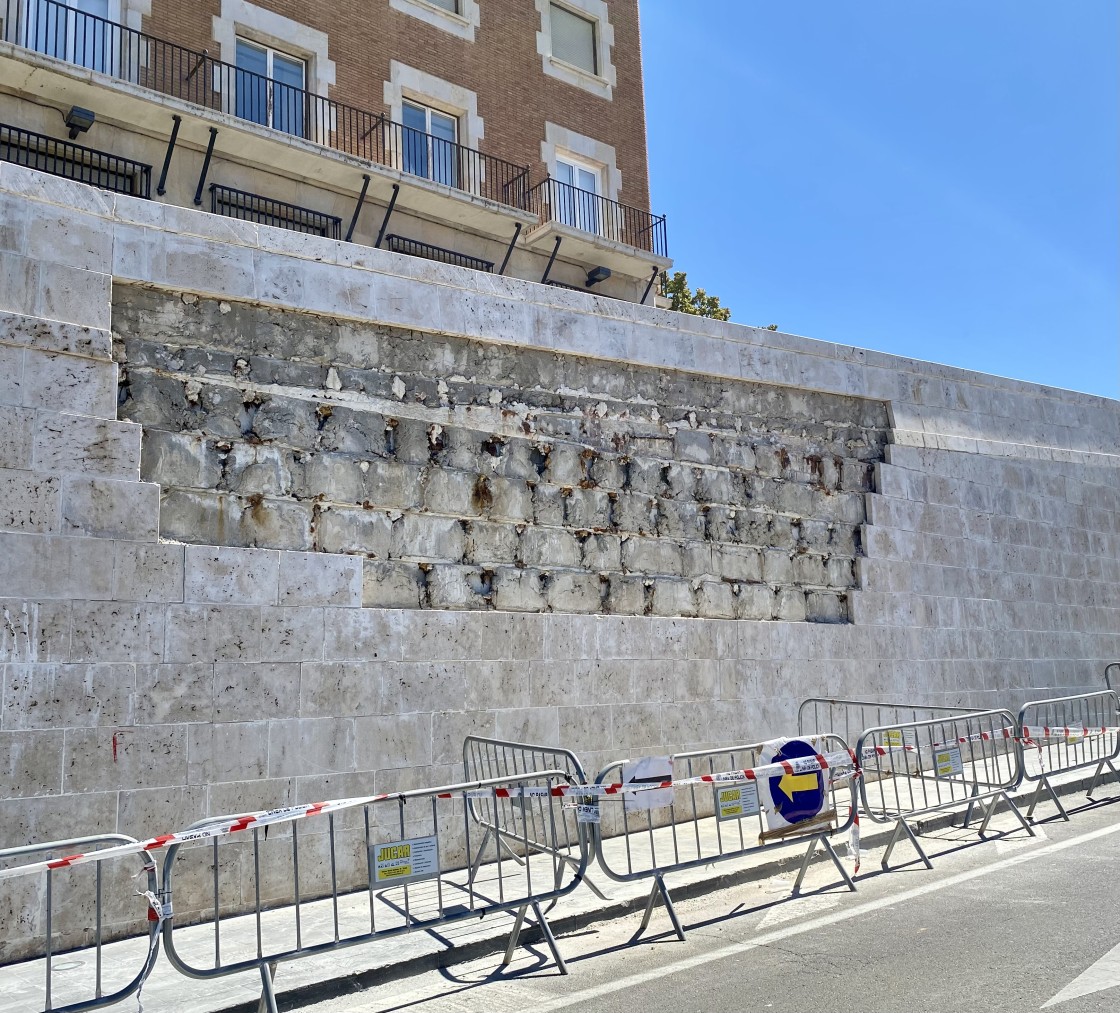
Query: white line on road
734, 949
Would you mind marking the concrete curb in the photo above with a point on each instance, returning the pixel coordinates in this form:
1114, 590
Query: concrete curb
303, 995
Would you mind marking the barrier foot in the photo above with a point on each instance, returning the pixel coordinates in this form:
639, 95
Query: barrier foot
1044, 782
809, 852
900, 826
1014, 808
1097, 776
513, 936
659, 888
839, 865
268, 995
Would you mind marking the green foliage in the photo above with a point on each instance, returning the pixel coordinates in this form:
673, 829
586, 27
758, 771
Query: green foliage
697, 303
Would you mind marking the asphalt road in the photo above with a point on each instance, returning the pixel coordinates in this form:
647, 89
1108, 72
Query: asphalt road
1000, 927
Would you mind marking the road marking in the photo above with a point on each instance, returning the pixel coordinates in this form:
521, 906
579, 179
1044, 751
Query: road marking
825, 921
1105, 973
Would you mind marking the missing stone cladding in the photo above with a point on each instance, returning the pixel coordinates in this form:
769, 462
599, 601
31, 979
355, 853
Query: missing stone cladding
490, 476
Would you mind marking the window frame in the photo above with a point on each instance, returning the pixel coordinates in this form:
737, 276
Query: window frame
271, 52
591, 23
605, 78
463, 22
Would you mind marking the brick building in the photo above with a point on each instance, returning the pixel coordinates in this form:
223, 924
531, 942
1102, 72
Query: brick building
503, 135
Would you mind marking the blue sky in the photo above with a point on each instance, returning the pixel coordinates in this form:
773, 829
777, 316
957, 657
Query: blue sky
933, 178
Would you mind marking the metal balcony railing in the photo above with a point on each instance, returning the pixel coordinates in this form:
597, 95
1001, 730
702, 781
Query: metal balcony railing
86, 40
74, 161
255, 207
581, 209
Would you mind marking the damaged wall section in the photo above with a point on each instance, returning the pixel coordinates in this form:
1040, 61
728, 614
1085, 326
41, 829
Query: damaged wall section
473, 475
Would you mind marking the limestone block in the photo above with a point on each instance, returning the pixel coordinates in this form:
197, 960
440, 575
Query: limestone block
738, 563
35, 630
234, 575
319, 578
548, 505
510, 500
689, 445
636, 725
427, 538
636, 513
449, 728
74, 296
103, 759
19, 284
824, 607
518, 590
346, 688
227, 752
682, 481
573, 592
626, 595
107, 508
29, 501
602, 552
255, 470
777, 568
647, 477
400, 740
755, 601
680, 519
117, 631
673, 598
686, 723
565, 465
716, 485
497, 683
31, 763
525, 724
589, 509
393, 485
392, 585
582, 729
652, 555
791, 604
179, 693
66, 696
460, 493
11, 375
608, 472
291, 421
698, 559
310, 746
489, 543
291, 634
89, 446
425, 687
366, 532
542, 546
49, 566
715, 600
256, 692
808, 568
179, 459
361, 635
15, 449
84, 386
459, 587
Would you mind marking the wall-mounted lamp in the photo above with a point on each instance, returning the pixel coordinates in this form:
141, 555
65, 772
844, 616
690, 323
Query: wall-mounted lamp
79, 120
597, 274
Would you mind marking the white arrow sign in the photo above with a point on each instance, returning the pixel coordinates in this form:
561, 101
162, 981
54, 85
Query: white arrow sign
1105, 973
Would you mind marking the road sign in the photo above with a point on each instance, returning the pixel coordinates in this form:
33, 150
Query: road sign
793, 796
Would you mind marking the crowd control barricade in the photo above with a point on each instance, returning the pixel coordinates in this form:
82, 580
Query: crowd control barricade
912, 769
1068, 733
714, 811
268, 888
502, 820
70, 913
1112, 676
848, 718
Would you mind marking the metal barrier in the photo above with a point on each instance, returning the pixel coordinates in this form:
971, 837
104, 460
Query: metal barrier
913, 768
1070, 733
1112, 676
848, 718
381, 866
76, 888
485, 758
718, 826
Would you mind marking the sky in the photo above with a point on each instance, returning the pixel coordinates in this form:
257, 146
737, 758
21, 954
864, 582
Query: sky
938, 179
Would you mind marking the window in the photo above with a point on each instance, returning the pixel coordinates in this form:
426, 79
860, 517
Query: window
429, 143
573, 39
76, 30
455, 17
578, 195
447, 5
270, 87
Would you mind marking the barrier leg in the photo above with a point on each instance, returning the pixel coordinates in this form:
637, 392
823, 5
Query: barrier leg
968, 812
517, 922
900, 826
1012, 806
839, 865
659, 887
1044, 782
546, 930
268, 995
1097, 775
809, 852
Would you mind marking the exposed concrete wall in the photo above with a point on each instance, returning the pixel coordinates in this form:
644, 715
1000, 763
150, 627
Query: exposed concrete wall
147, 683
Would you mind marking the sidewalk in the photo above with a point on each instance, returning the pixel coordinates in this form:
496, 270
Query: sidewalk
318, 976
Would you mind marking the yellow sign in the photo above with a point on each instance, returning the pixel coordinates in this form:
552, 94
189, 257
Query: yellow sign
948, 762
404, 861
734, 803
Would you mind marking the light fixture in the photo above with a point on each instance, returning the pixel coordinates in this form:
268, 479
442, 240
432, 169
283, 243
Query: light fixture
597, 274
79, 120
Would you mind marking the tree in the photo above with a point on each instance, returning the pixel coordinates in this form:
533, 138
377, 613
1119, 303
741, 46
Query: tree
697, 303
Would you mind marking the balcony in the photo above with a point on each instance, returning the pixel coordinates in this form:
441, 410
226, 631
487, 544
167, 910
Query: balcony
436, 166
598, 230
